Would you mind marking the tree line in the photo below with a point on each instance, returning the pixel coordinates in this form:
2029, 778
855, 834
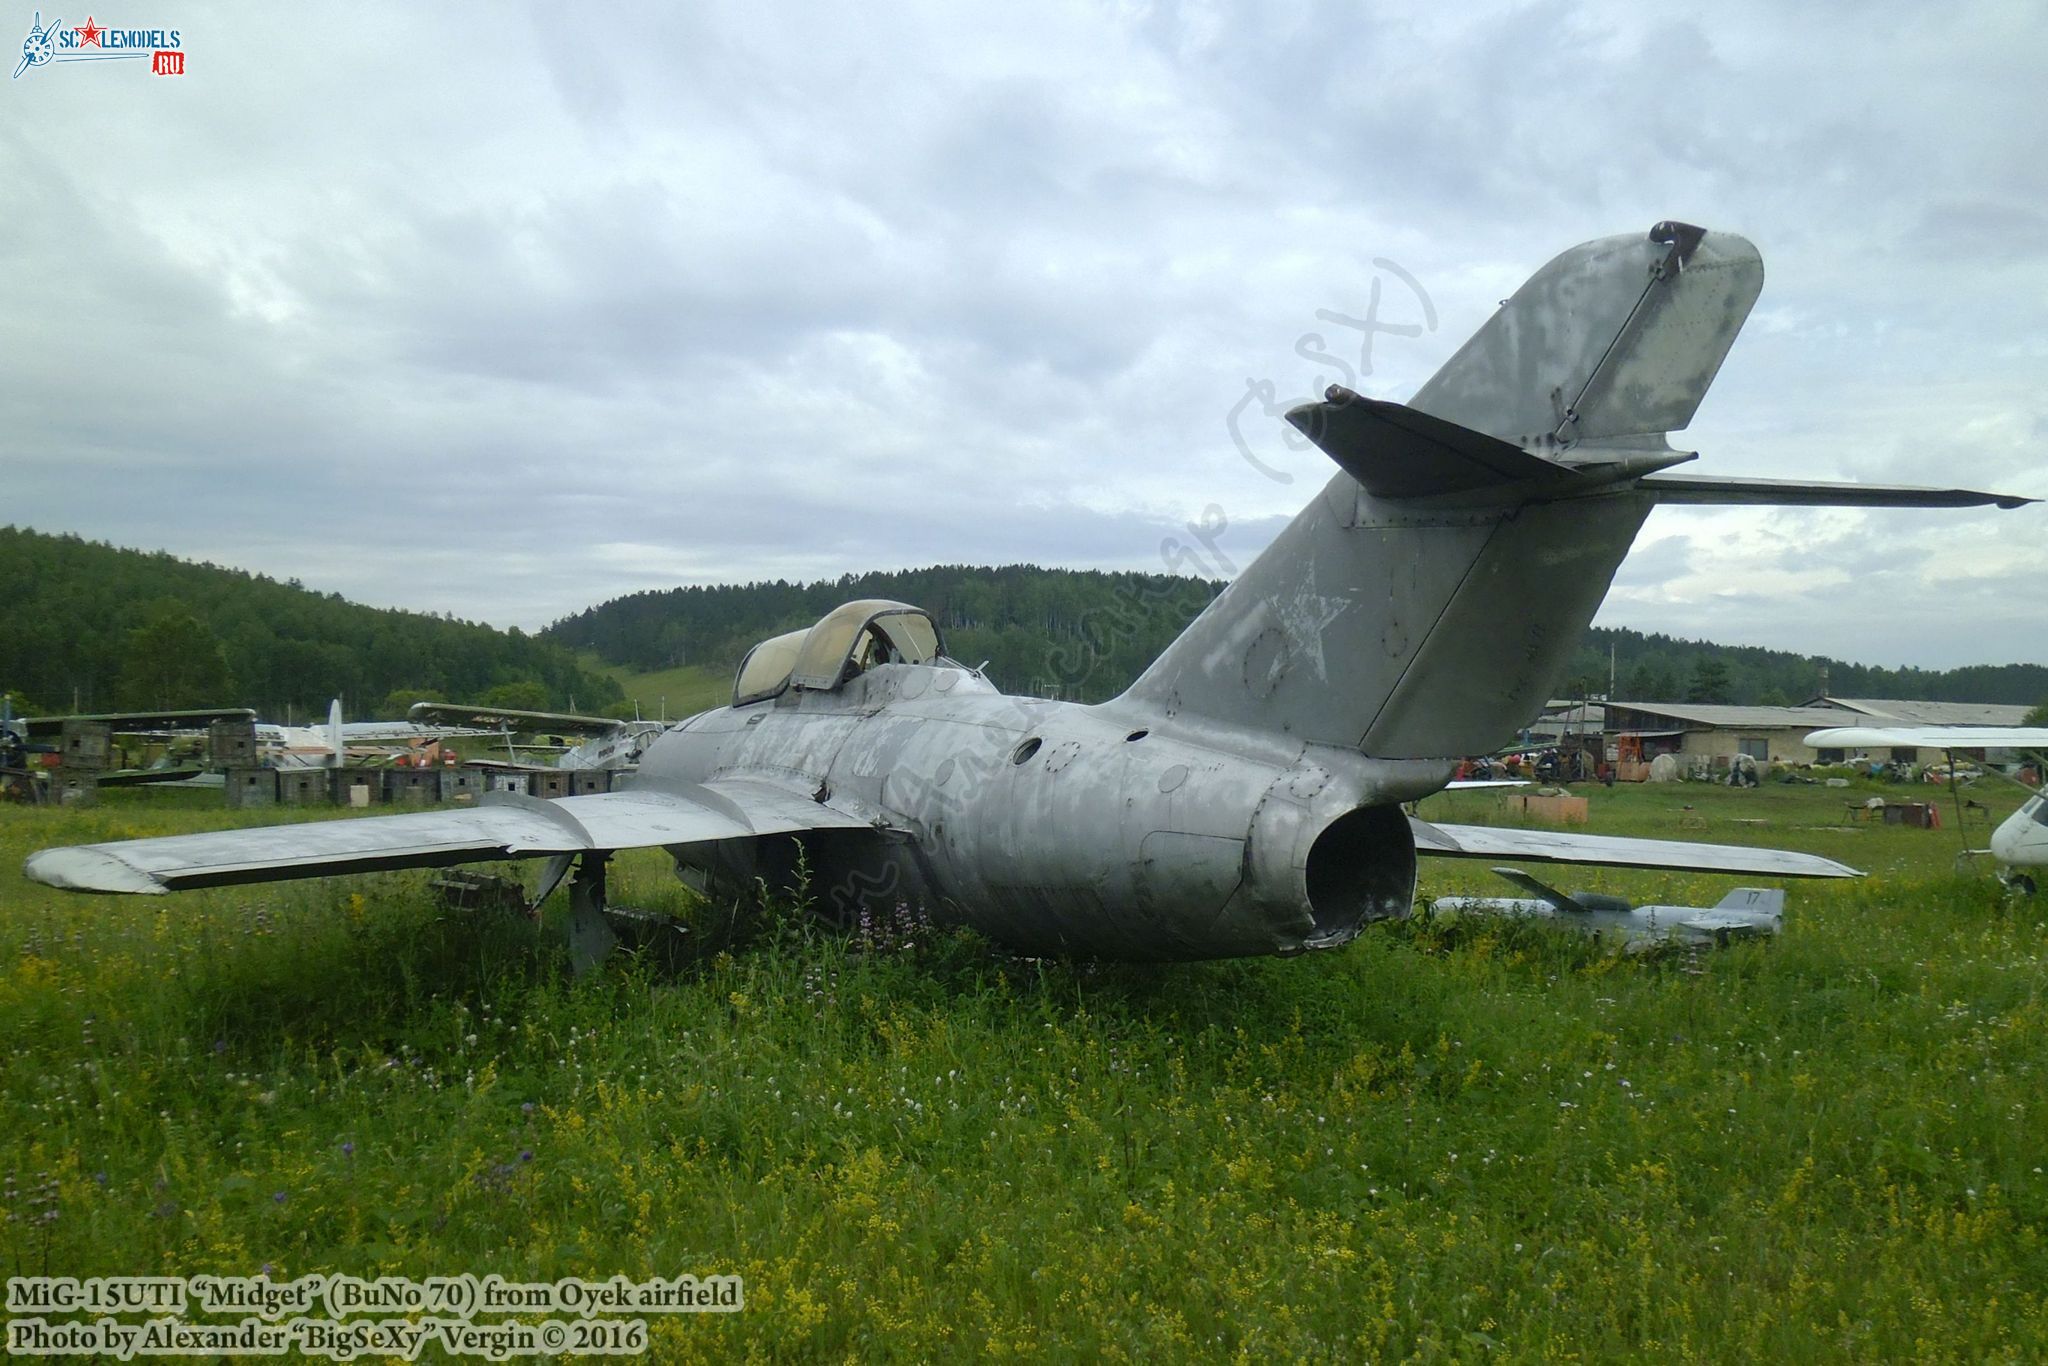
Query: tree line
91, 627
94, 628
1086, 634
1080, 634
1662, 668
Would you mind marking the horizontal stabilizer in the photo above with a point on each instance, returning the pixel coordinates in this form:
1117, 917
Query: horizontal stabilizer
1687, 487
1549, 846
1542, 890
1400, 452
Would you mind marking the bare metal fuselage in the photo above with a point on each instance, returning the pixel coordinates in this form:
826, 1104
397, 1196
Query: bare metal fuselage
1060, 828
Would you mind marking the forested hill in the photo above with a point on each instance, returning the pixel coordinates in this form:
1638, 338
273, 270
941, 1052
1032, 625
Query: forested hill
103, 629
1086, 634
1071, 633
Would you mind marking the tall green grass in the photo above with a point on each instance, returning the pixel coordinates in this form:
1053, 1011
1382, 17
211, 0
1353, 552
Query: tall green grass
1444, 1141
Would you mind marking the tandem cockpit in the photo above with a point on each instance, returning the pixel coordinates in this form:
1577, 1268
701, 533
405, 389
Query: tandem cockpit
846, 642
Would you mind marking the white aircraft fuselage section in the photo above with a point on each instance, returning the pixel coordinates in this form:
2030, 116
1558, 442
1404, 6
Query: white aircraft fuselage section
2021, 840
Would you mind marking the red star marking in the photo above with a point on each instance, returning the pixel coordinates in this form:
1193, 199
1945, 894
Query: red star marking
89, 36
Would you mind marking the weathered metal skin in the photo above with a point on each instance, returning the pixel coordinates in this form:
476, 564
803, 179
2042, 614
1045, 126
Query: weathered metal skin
1060, 828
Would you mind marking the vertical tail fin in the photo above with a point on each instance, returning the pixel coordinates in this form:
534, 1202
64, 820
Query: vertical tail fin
1424, 602
1768, 901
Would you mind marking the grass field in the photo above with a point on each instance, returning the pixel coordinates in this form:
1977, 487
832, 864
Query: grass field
667, 693
1443, 1142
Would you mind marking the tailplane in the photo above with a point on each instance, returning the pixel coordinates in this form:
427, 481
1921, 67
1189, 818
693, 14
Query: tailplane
1425, 603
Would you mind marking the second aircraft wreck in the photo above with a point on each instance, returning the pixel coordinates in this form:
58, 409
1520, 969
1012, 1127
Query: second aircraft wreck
1745, 913
1245, 795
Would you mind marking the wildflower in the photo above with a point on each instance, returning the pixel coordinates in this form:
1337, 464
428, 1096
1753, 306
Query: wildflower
348, 1148
278, 1198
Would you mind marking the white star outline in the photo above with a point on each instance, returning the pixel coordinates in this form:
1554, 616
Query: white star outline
1304, 617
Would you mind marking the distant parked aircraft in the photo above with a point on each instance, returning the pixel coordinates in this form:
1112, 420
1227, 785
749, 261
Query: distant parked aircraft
1743, 913
608, 742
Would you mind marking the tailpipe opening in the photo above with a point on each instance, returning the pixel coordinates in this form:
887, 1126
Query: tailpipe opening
1361, 868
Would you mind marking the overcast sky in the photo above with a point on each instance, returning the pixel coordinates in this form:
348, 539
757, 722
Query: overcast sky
505, 312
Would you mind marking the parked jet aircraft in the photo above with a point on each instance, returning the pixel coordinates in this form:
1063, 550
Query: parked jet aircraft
1245, 795
607, 742
329, 746
2020, 843
1743, 913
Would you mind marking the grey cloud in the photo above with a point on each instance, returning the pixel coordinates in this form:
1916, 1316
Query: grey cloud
883, 287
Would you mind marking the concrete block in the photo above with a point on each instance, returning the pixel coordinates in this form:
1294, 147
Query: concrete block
461, 783
251, 786
85, 745
502, 780
231, 745
412, 785
75, 787
305, 786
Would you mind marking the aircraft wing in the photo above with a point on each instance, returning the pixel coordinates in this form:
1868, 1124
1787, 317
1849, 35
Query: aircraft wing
508, 718
501, 826
1556, 846
134, 722
1930, 737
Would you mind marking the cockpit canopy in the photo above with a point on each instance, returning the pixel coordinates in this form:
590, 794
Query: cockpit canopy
848, 639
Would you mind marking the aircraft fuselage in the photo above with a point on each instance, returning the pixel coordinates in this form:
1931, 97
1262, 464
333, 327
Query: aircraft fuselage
2021, 840
1059, 827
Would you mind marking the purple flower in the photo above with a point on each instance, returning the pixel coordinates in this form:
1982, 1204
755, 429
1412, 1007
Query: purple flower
278, 1198
348, 1147
526, 1154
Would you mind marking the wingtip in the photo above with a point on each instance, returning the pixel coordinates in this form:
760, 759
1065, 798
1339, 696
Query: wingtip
83, 868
